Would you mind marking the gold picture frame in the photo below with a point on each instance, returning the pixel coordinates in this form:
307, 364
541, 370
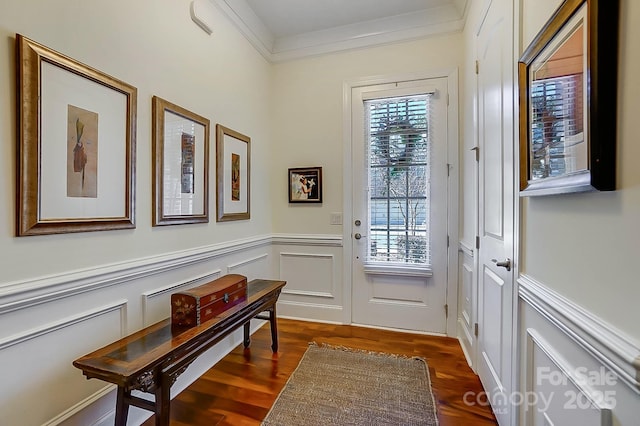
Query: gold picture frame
76, 137
180, 145
567, 81
233, 167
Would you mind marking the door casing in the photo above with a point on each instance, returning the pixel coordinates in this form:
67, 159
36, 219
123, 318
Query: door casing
452, 196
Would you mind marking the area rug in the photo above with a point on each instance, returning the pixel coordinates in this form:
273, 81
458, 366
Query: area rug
343, 386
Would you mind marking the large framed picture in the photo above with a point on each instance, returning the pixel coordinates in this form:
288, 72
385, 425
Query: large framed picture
305, 185
76, 145
233, 167
180, 144
567, 81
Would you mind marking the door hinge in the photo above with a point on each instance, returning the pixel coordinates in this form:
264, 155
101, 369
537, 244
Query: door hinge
447, 241
475, 329
477, 67
447, 99
446, 311
477, 150
478, 243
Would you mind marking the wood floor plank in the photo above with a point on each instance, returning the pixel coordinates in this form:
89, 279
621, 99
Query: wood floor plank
241, 388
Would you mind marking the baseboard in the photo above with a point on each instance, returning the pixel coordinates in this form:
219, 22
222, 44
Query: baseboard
462, 331
311, 311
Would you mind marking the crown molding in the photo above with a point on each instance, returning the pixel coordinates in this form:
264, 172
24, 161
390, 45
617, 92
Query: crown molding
411, 26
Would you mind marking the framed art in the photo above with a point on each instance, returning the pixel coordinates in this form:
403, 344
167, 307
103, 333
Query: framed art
305, 185
233, 164
180, 144
567, 80
76, 145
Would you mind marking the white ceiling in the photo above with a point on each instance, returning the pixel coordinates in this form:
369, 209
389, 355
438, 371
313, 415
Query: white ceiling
289, 29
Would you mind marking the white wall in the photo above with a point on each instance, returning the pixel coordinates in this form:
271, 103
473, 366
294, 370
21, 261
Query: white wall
308, 105
578, 282
62, 296
154, 46
585, 246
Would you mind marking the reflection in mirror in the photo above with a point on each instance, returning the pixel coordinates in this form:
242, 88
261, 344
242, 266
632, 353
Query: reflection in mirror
557, 104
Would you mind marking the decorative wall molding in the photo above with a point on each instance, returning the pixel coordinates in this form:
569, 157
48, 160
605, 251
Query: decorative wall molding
308, 293
166, 289
593, 396
300, 292
35, 291
445, 18
246, 262
602, 341
308, 240
16, 339
87, 402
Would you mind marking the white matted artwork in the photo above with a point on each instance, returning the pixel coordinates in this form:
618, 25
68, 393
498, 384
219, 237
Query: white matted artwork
233, 174
181, 166
76, 145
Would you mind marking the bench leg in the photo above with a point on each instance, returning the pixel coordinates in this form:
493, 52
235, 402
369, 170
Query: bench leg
247, 337
122, 407
274, 329
163, 402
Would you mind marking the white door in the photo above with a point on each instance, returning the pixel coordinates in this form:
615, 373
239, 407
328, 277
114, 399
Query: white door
496, 303
399, 193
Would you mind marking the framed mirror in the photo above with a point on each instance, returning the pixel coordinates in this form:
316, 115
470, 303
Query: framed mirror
567, 81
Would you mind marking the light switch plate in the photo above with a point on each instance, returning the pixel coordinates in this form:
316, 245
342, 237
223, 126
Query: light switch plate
336, 219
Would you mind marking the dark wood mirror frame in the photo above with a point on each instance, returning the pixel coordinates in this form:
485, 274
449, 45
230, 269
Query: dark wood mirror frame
599, 91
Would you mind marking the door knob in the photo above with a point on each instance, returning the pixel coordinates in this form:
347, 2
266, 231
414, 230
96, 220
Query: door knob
504, 264
357, 236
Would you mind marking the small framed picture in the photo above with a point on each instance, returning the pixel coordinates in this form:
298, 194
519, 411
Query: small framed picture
233, 172
305, 185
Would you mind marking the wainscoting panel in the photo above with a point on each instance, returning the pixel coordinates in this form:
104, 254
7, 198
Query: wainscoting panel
37, 364
47, 322
467, 300
320, 283
312, 267
251, 267
492, 322
575, 368
557, 393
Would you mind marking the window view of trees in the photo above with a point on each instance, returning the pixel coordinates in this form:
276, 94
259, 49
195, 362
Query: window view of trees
398, 143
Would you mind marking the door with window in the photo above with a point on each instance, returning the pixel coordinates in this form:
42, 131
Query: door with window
399, 193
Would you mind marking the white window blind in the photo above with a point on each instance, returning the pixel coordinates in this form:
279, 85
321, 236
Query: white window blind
556, 125
397, 131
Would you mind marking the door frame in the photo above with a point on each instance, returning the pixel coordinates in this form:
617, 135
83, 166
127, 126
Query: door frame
451, 75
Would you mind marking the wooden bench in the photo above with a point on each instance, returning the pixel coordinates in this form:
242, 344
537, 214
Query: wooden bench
151, 359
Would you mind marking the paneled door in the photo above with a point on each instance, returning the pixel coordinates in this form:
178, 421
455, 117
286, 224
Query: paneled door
496, 304
399, 193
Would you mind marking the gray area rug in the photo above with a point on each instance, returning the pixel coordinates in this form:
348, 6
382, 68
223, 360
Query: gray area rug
343, 386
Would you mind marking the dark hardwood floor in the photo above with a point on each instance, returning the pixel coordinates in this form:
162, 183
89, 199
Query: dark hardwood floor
240, 389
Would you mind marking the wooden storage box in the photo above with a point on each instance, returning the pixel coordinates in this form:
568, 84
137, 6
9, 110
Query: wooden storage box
199, 304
